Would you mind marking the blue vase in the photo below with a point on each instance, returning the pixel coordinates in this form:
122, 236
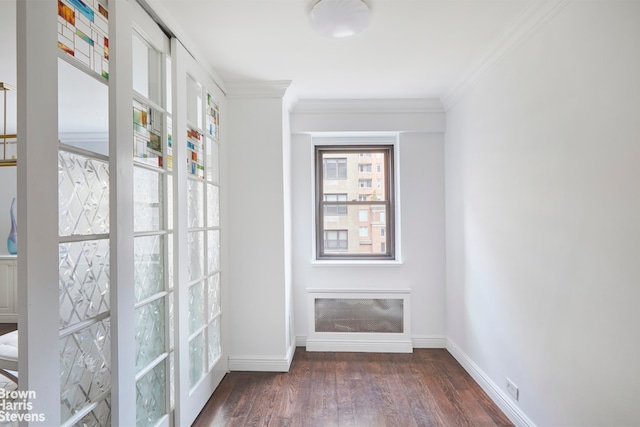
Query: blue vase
12, 240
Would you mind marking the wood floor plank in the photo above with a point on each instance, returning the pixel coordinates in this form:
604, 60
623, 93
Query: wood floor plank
426, 388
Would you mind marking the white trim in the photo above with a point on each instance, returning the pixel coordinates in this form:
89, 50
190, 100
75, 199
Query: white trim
253, 89
368, 291
429, 341
262, 363
529, 22
499, 397
363, 346
301, 341
339, 106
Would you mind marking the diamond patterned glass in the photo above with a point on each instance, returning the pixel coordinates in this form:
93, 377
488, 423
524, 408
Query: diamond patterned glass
99, 417
83, 195
213, 206
196, 307
83, 281
149, 266
213, 250
214, 295
85, 367
147, 200
196, 359
150, 333
215, 349
151, 397
195, 196
195, 245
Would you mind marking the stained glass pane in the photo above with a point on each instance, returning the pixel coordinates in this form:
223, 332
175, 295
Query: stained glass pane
195, 153
196, 359
147, 135
83, 195
151, 397
213, 206
195, 196
214, 295
195, 244
213, 250
83, 33
196, 307
85, 367
215, 349
99, 417
147, 199
84, 281
148, 264
150, 332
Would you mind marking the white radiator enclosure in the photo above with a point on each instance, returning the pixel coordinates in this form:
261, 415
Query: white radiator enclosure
359, 320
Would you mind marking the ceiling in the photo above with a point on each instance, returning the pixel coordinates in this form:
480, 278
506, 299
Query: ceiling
413, 48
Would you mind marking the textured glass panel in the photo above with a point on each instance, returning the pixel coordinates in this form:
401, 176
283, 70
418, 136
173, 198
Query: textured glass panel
172, 381
195, 244
213, 171
151, 397
171, 320
213, 206
99, 417
170, 260
195, 196
147, 200
215, 349
85, 367
83, 195
196, 307
83, 280
196, 359
150, 332
148, 264
213, 250
359, 315
169, 202
214, 295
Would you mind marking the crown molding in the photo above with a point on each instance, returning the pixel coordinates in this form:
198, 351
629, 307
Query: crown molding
527, 24
387, 106
257, 89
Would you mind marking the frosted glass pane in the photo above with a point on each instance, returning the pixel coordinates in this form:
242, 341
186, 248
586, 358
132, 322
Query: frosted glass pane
170, 202
148, 266
195, 245
83, 281
215, 349
213, 167
150, 332
140, 66
83, 195
196, 307
213, 206
99, 417
214, 295
170, 260
147, 200
196, 359
171, 320
151, 397
195, 206
213, 250
172, 381
85, 367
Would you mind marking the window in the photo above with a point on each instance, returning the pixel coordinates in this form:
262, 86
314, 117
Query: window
335, 209
348, 215
335, 168
336, 240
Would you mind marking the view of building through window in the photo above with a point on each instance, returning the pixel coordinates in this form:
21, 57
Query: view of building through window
354, 201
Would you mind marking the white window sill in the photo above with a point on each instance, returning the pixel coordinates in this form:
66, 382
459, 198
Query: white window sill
356, 263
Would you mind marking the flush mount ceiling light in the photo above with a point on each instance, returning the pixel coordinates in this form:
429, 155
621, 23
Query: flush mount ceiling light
340, 18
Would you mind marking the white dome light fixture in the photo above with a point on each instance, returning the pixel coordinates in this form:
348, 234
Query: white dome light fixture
340, 18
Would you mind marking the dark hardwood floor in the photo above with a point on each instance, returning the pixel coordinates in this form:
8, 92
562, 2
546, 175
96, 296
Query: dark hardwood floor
426, 388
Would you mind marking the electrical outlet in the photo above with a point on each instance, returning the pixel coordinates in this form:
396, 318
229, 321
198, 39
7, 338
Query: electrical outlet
512, 389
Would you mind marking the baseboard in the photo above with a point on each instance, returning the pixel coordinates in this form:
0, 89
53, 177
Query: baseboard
262, 363
363, 346
301, 341
496, 394
429, 341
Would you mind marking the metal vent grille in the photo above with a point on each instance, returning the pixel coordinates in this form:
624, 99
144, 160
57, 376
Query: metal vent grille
359, 315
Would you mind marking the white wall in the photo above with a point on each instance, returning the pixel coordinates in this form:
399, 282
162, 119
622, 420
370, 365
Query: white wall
421, 187
543, 208
257, 272
7, 75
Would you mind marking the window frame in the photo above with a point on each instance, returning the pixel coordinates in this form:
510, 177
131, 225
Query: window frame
389, 204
